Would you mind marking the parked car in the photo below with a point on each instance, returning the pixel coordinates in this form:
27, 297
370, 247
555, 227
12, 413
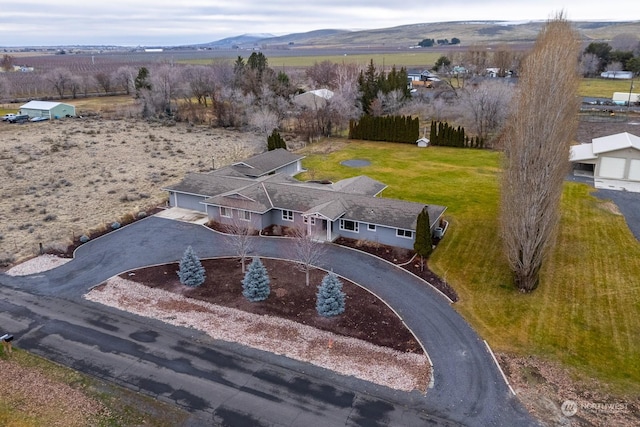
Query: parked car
7, 117
18, 118
39, 119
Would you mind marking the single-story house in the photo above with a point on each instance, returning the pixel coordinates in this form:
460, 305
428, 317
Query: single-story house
51, 110
613, 161
313, 99
348, 208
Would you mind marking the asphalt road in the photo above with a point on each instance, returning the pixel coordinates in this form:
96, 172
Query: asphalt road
228, 384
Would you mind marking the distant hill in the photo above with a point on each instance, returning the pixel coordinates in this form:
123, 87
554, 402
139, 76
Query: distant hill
469, 33
244, 40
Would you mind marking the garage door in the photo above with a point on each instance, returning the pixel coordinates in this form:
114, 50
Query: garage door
612, 167
634, 170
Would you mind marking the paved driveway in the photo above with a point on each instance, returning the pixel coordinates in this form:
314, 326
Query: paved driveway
629, 205
468, 388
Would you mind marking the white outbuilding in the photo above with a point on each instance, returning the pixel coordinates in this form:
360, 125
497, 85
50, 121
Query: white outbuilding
614, 161
423, 142
48, 109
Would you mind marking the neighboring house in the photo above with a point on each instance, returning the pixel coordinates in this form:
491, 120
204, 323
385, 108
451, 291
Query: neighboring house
50, 110
613, 161
347, 208
313, 99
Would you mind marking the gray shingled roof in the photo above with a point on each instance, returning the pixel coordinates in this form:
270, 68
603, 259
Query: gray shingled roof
267, 162
274, 192
361, 184
207, 184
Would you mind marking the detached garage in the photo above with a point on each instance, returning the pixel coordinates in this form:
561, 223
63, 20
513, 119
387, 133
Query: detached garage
614, 160
51, 110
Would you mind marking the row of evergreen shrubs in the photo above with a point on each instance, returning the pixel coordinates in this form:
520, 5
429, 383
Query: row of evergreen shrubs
443, 134
388, 128
255, 285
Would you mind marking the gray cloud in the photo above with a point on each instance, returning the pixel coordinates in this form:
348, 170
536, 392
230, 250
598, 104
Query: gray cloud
162, 22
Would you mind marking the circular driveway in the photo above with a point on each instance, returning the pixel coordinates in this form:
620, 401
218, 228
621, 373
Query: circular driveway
467, 385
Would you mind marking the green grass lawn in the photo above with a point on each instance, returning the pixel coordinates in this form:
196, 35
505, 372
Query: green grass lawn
603, 88
586, 311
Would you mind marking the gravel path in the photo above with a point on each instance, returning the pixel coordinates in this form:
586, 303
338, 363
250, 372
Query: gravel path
346, 356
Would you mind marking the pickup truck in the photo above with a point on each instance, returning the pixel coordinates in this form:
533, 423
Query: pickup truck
7, 117
19, 118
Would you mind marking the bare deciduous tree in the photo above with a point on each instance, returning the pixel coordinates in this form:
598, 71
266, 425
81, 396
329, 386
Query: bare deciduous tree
589, 64
308, 251
240, 239
5, 88
59, 80
105, 82
323, 74
125, 77
488, 103
6, 62
263, 120
543, 124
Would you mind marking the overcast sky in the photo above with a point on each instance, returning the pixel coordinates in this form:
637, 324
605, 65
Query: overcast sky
177, 22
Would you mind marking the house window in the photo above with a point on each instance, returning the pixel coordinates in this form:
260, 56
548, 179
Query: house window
225, 212
347, 225
244, 215
287, 215
408, 234
371, 227
309, 220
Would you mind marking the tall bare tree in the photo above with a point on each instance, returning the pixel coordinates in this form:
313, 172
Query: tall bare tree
308, 251
543, 124
240, 239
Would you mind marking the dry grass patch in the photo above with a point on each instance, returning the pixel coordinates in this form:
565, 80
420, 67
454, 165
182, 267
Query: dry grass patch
61, 179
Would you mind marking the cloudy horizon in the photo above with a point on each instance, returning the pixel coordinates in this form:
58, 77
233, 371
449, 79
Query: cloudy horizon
170, 23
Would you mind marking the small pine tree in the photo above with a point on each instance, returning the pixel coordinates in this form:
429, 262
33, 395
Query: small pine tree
191, 271
275, 141
255, 286
423, 244
330, 298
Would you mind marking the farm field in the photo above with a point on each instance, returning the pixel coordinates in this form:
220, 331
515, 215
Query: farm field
413, 59
585, 312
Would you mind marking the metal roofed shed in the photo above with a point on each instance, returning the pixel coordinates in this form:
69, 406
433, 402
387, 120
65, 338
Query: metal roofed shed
51, 110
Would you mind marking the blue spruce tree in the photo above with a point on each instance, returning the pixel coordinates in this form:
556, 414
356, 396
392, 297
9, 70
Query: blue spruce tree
330, 301
191, 271
255, 286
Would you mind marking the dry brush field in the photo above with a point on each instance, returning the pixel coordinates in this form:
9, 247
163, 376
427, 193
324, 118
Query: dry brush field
61, 179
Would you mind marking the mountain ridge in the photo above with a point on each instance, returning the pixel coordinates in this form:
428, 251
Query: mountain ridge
469, 32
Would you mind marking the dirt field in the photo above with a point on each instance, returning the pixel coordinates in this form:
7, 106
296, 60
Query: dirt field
60, 179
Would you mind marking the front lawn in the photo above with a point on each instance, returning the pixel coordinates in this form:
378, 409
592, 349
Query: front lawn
585, 312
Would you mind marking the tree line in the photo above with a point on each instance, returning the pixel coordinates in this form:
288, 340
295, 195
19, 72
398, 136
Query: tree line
443, 134
388, 128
